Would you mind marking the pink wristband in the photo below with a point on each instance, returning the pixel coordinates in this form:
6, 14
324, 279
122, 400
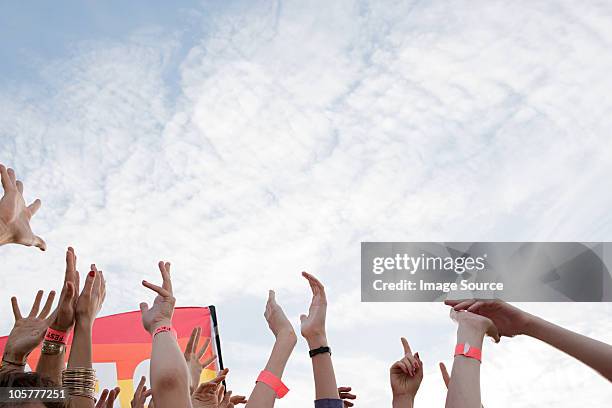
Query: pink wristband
162, 329
462, 349
56, 336
273, 382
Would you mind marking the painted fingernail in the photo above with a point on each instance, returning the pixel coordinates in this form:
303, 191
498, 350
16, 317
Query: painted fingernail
92, 273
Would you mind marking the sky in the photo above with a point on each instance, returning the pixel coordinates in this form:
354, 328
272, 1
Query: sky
246, 141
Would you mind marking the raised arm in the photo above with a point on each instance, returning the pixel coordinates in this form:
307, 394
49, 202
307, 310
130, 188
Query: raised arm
313, 330
79, 377
263, 395
169, 375
15, 216
513, 321
51, 362
464, 385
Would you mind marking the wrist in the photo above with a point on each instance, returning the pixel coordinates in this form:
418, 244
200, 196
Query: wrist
403, 401
158, 324
470, 334
9, 356
83, 325
62, 328
317, 341
530, 325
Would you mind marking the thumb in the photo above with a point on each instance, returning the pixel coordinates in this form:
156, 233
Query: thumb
39, 243
144, 307
303, 318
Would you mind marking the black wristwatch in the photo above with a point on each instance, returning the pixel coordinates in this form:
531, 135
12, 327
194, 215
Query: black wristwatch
319, 350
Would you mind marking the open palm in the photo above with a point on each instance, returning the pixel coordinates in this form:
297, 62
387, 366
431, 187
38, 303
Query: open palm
15, 216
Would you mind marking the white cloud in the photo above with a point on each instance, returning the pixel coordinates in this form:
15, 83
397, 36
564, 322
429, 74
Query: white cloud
297, 130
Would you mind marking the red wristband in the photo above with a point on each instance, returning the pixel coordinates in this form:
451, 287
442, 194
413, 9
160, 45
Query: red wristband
273, 382
466, 350
56, 336
162, 329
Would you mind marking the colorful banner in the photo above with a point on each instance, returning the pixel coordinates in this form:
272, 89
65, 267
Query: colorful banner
122, 348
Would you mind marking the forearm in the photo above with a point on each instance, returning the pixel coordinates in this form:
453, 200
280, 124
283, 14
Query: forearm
263, 396
464, 386
323, 370
81, 357
169, 374
594, 353
403, 402
51, 366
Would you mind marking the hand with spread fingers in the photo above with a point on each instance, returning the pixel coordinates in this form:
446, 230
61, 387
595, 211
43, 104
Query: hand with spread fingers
193, 359
346, 396
207, 394
509, 320
27, 332
141, 394
108, 397
15, 216
406, 376
160, 314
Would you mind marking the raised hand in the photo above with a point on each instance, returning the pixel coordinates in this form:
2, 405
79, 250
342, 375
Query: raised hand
345, 396
406, 376
160, 314
92, 297
207, 395
14, 215
62, 318
313, 325
107, 398
508, 319
276, 318
193, 358
28, 332
141, 394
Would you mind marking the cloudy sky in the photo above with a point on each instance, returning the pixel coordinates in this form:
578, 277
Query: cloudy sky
247, 141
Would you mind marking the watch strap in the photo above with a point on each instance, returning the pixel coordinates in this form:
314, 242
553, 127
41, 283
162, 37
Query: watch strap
319, 350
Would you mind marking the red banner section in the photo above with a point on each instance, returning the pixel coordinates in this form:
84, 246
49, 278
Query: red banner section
122, 348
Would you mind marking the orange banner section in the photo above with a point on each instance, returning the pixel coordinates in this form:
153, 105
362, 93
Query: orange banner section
122, 348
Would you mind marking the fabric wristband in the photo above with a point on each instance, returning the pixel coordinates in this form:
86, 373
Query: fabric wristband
56, 336
162, 329
273, 382
466, 350
320, 350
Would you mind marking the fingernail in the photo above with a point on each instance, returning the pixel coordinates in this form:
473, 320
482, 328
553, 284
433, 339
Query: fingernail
92, 273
